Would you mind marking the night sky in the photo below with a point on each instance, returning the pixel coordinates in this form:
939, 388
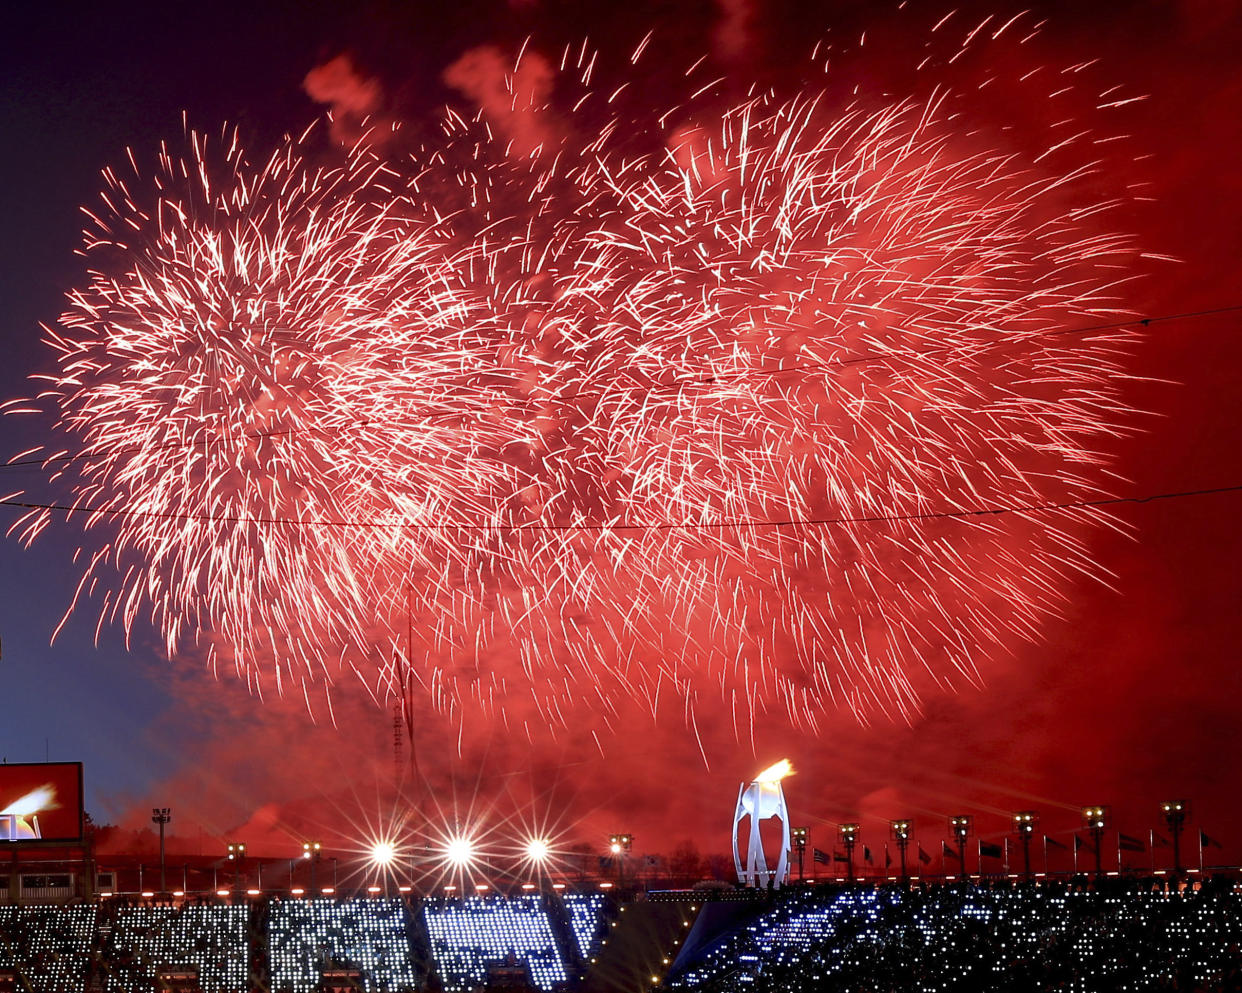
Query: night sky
1130, 698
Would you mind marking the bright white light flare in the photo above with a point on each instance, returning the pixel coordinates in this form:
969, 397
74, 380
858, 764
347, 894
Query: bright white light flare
460, 852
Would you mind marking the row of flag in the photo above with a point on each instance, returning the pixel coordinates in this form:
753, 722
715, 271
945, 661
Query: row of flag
1125, 843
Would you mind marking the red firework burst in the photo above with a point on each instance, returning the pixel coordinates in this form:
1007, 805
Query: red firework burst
641, 412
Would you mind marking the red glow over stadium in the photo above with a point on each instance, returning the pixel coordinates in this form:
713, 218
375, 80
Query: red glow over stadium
527, 421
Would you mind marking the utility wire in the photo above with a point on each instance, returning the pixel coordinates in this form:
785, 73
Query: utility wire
807, 522
87, 453
1144, 322
707, 379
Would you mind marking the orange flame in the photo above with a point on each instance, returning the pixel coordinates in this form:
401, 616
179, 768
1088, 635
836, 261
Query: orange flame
775, 773
44, 798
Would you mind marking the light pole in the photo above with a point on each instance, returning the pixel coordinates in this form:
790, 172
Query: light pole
161, 816
901, 835
237, 852
1175, 814
961, 826
310, 850
1024, 824
619, 845
1095, 819
848, 834
798, 836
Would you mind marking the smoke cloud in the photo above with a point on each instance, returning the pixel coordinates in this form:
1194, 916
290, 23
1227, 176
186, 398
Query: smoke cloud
733, 39
512, 98
351, 98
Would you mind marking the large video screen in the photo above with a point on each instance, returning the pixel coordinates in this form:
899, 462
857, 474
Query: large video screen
41, 802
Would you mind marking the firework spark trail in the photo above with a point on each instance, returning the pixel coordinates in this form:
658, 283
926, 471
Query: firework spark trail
472, 353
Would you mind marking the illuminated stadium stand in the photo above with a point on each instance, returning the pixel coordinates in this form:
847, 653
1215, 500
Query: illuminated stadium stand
470, 937
371, 935
51, 946
1136, 934
586, 920
210, 939
948, 938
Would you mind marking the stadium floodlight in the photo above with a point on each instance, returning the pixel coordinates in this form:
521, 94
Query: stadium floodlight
798, 836
620, 846
1095, 818
901, 834
1175, 813
619, 843
538, 850
849, 838
1024, 824
382, 854
459, 852
311, 850
961, 826
237, 852
161, 816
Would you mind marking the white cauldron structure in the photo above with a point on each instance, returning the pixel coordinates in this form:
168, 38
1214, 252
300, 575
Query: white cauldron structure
761, 799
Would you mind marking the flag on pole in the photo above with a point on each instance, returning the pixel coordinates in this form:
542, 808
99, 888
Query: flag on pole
923, 856
888, 858
1079, 845
1126, 843
867, 855
1158, 842
989, 851
1053, 843
946, 852
1205, 841
838, 857
820, 856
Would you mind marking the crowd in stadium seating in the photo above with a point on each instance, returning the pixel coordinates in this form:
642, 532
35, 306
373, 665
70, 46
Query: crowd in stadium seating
210, 938
468, 935
305, 936
51, 945
586, 919
1120, 936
